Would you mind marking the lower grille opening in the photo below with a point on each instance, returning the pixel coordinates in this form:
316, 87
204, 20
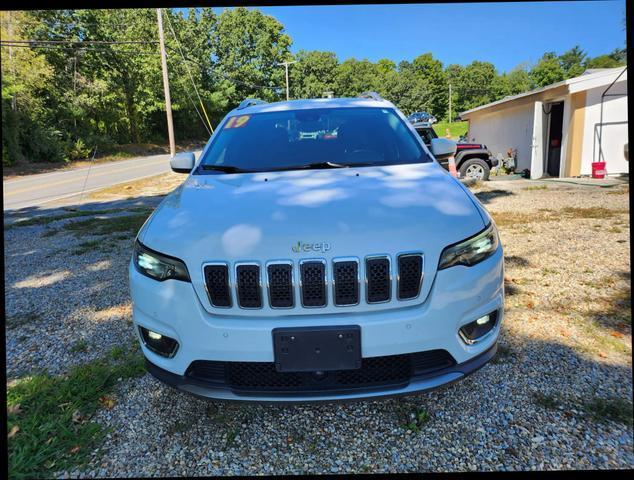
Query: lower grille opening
392, 371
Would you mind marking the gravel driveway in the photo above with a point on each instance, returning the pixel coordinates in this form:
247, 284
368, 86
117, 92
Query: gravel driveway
551, 399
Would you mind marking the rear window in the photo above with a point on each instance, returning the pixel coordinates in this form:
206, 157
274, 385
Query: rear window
294, 138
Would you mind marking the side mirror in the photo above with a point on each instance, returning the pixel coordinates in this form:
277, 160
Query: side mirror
443, 148
183, 162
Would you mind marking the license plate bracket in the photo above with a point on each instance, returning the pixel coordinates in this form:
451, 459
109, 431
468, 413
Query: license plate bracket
312, 349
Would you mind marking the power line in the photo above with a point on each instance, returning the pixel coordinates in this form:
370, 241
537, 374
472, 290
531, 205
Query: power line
85, 49
178, 43
79, 42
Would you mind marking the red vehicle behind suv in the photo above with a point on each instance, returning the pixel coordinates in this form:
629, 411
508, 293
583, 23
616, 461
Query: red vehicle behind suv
473, 160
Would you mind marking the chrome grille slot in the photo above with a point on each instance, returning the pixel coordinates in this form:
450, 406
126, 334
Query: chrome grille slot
410, 275
378, 279
248, 286
345, 275
280, 282
313, 282
217, 283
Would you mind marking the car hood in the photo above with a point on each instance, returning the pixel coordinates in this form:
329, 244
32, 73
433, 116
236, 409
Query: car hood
351, 211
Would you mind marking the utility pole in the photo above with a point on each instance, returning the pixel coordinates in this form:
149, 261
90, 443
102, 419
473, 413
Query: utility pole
450, 102
286, 64
166, 85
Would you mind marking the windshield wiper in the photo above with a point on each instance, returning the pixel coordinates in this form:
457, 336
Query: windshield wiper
224, 168
317, 165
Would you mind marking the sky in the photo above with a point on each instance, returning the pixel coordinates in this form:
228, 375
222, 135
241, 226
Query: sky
505, 34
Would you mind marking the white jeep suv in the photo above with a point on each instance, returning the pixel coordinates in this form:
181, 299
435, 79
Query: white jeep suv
317, 251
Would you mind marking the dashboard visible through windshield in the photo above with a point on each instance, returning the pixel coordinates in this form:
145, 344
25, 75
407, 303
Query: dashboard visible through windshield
312, 138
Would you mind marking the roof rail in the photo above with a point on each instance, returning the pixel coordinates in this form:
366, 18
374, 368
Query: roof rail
372, 95
249, 102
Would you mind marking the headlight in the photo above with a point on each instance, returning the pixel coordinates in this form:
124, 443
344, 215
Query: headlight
472, 250
158, 266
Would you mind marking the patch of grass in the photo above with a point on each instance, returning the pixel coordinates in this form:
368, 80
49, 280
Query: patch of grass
232, 433
45, 220
80, 346
615, 230
417, 420
591, 212
49, 233
456, 129
87, 246
520, 219
535, 187
117, 353
106, 226
51, 416
620, 191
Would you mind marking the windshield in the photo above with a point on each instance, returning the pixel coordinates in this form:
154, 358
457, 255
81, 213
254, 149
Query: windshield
315, 138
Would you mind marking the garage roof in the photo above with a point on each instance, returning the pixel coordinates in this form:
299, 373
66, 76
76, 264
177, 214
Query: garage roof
589, 79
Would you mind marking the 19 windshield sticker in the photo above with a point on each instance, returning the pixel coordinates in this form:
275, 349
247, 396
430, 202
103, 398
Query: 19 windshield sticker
237, 122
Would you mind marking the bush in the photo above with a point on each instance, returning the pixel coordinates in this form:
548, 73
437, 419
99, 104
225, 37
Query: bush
79, 150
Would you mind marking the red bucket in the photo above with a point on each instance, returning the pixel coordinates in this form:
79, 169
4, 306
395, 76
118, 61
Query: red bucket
598, 170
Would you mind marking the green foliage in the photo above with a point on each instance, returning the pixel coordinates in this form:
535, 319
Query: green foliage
50, 416
548, 70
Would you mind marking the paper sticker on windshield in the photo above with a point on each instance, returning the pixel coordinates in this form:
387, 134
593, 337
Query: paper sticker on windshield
237, 122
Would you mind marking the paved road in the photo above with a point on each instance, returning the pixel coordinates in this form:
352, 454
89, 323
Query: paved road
34, 190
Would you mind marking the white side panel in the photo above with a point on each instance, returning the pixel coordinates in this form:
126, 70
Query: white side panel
614, 130
538, 141
509, 128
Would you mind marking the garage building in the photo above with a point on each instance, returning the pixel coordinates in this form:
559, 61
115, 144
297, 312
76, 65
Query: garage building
561, 129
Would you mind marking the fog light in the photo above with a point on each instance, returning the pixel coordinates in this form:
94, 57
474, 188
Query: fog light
474, 331
159, 344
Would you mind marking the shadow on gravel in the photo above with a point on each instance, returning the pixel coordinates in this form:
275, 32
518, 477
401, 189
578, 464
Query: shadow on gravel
66, 294
516, 261
487, 195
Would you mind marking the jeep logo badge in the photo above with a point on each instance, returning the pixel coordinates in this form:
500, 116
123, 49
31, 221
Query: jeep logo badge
311, 247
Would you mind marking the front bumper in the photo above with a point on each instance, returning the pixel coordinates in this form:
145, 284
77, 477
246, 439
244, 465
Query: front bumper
416, 385
458, 296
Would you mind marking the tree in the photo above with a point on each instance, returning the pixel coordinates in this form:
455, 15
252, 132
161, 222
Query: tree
617, 58
248, 46
313, 74
547, 71
474, 85
430, 72
572, 62
356, 76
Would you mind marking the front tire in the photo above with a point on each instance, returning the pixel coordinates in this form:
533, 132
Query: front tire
475, 168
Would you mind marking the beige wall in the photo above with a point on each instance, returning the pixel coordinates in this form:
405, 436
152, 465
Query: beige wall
572, 166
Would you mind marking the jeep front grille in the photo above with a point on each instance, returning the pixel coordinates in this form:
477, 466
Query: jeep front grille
217, 281
410, 274
345, 276
313, 278
280, 282
248, 286
309, 280
379, 279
